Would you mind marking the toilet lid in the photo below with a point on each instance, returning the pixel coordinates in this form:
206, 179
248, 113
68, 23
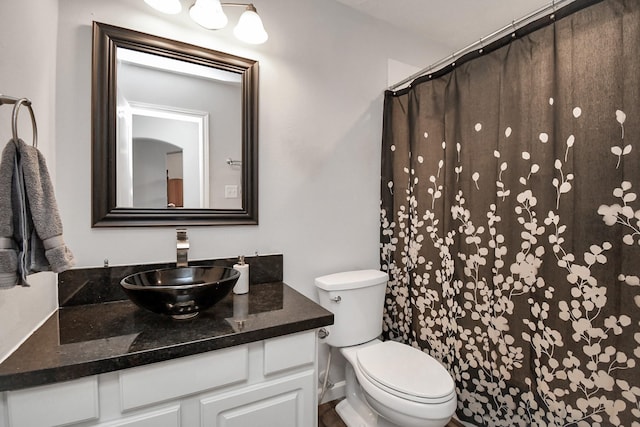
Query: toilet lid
406, 371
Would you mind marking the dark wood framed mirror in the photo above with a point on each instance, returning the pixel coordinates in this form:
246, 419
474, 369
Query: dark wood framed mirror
158, 103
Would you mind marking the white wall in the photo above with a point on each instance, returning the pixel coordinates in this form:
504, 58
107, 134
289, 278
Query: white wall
322, 76
27, 69
323, 73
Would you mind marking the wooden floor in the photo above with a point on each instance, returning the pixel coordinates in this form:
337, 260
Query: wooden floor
328, 417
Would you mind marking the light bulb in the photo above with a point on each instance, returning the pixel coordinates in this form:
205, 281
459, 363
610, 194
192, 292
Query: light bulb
170, 7
208, 14
250, 28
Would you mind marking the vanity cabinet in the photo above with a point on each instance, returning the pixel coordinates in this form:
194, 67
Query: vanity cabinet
264, 383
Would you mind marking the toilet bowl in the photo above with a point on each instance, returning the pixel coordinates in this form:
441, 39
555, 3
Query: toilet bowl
387, 383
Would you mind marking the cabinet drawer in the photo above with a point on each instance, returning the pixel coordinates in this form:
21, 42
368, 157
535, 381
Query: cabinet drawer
163, 381
289, 351
55, 404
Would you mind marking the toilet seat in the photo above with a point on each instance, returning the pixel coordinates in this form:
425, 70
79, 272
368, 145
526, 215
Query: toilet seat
417, 377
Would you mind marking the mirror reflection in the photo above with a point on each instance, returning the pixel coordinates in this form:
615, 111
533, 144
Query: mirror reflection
177, 124
174, 132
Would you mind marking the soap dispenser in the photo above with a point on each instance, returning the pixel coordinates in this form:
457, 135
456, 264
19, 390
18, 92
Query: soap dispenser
242, 285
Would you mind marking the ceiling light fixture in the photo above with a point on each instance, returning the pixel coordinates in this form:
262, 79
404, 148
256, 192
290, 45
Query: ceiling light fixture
249, 28
209, 14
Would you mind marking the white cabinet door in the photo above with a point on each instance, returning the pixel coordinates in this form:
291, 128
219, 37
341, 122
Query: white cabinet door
289, 351
286, 402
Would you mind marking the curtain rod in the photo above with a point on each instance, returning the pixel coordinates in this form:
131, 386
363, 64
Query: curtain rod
510, 28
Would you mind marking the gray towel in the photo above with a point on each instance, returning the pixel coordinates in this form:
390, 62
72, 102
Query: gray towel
30, 226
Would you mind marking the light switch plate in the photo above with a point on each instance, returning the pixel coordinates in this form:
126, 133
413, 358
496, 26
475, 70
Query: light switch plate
230, 191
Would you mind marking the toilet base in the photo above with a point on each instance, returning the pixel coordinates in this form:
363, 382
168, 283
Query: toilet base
354, 410
351, 417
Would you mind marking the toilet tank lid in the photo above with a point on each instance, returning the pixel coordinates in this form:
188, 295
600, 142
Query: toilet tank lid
351, 280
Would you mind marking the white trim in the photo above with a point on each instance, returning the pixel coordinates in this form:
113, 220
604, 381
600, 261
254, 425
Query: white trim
338, 391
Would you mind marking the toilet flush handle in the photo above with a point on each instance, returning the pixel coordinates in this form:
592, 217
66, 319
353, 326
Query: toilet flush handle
336, 299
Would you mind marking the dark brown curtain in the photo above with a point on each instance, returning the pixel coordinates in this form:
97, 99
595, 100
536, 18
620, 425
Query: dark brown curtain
510, 223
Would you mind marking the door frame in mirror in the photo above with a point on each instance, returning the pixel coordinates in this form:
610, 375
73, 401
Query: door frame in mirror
105, 212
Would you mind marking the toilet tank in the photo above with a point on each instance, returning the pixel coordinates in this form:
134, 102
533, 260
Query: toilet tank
356, 299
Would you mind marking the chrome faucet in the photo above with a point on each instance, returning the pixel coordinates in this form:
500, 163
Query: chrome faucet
182, 248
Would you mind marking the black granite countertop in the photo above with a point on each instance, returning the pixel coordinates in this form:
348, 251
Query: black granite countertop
83, 340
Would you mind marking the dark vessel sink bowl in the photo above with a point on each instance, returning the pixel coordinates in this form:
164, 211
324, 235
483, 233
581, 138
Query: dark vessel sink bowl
180, 292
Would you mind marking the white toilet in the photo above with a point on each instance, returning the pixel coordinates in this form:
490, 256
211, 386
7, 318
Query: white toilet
387, 383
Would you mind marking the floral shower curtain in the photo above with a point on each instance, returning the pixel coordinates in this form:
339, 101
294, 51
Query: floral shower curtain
510, 223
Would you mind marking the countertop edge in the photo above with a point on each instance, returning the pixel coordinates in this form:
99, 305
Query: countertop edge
22, 380
41, 377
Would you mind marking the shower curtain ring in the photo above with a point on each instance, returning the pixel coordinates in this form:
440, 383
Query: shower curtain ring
481, 50
513, 34
553, 13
